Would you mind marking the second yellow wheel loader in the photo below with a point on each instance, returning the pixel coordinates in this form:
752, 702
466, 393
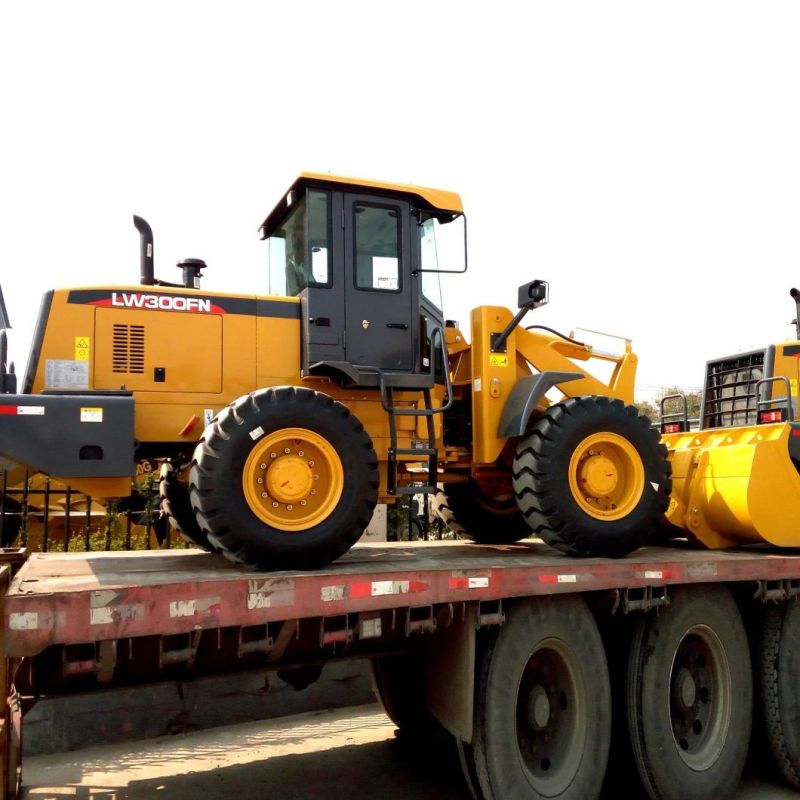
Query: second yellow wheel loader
736, 479
280, 419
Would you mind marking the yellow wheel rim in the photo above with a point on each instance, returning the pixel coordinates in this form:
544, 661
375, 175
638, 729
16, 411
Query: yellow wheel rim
606, 476
293, 479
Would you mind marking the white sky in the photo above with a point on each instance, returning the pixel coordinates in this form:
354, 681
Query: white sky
642, 157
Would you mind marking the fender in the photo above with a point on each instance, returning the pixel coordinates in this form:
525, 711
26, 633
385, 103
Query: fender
526, 393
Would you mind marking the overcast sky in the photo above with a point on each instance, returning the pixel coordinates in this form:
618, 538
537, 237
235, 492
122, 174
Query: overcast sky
642, 157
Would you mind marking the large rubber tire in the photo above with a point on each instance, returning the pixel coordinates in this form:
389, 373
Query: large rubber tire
223, 457
12, 520
471, 514
176, 507
399, 682
543, 705
779, 668
547, 478
690, 696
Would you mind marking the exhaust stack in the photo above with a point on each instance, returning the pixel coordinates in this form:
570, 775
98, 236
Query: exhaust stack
147, 271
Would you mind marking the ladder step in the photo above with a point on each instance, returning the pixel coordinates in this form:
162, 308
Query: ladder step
414, 490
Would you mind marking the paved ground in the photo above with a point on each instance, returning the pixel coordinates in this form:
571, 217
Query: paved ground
350, 753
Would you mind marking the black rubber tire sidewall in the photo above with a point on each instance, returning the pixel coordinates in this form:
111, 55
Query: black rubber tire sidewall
218, 464
779, 677
500, 667
176, 506
655, 639
475, 519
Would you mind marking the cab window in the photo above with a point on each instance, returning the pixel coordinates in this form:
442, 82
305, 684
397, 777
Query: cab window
377, 248
300, 247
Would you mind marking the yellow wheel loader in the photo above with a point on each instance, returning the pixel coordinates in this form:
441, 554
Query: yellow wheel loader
280, 419
735, 477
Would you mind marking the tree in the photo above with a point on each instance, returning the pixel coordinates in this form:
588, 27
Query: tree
652, 410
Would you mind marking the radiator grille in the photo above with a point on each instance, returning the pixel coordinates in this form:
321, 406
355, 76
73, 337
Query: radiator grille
128, 349
730, 391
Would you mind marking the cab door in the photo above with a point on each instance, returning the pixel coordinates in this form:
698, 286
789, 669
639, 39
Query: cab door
378, 285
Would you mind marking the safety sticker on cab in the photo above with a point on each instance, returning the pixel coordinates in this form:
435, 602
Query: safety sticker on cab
498, 360
91, 415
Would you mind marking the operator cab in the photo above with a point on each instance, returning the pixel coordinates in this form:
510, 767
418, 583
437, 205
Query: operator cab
364, 258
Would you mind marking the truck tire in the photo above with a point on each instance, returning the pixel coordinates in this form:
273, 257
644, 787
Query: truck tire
399, 683
779, 667
689, 696
284, 478
469, 772
177, 508
592, 478
472, 514
543, 704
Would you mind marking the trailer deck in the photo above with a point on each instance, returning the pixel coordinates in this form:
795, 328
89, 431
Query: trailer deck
87, 597
78, 621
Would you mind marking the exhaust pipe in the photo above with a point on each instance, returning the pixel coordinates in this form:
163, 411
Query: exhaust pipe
147, 271
796, 297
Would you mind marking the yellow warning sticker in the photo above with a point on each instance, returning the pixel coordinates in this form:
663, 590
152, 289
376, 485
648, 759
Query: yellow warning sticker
793, 381
91, 415
498, 360
81, 348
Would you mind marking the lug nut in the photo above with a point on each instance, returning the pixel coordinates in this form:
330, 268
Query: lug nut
313, 491
316, 477
263, 466
289, 507
274, 505
286, 450
273, 455
302, 502
311, 464
259, 480
264, 494
300, 453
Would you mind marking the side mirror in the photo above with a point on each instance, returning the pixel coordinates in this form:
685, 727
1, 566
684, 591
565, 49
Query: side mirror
534, 294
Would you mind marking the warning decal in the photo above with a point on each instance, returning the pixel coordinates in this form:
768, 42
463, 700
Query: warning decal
81, 348
498, 360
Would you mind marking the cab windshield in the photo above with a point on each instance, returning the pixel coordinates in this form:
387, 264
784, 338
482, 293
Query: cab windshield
299, 248
442, 249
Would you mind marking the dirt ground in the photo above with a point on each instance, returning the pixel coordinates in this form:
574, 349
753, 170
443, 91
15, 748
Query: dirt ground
351, 753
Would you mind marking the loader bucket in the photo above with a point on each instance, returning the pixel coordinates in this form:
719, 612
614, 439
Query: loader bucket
736, 486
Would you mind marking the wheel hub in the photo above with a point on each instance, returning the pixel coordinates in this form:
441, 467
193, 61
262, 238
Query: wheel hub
685, 689
598, 474
700, 697
551, 726
606, 476
293, 479
538, 708
289, 479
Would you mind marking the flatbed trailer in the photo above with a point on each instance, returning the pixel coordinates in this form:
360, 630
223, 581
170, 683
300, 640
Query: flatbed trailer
523, 656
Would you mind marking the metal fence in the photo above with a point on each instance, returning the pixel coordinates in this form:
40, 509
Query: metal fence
43, 515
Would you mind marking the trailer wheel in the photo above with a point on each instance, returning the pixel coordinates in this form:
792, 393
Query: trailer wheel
177, 508
399, 683
284, 478
780, 693
469, 772
689, 696
543, 704
473, 513
592, 478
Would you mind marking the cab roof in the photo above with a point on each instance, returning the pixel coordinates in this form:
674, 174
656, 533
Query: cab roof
434, 199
